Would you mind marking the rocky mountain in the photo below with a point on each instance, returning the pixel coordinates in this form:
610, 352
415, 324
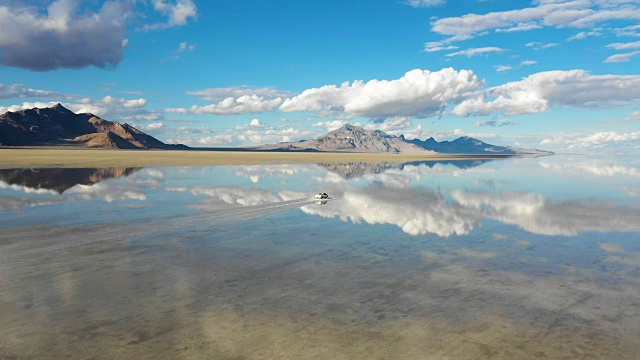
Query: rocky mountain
58, 125
351, 138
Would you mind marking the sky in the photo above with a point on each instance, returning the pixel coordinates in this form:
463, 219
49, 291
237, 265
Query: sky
561, 75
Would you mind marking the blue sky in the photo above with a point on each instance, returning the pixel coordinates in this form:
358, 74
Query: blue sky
552, 74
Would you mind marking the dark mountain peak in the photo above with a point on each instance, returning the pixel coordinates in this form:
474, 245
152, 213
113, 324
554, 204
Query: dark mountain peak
59, 108
58, 125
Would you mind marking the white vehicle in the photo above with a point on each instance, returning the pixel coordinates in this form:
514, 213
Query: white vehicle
321, 196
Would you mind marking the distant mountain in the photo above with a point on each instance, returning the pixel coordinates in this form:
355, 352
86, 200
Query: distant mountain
58, 125
351, 138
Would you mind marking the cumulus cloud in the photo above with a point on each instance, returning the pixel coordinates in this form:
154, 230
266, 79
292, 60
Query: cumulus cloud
71, 34
153, 126
64, 37
235, 100
418, 93
241, 105
540, 91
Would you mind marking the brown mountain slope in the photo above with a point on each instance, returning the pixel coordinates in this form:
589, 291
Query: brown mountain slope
58, 125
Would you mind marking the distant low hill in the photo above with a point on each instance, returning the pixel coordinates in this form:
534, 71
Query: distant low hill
351, 138
58, 125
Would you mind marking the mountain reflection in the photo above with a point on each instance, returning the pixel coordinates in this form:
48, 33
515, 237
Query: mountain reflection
59, 180
354, 170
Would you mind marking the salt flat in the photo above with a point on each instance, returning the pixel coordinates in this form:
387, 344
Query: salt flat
56, 157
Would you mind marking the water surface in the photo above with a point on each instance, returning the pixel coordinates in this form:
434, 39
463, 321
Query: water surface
519, 258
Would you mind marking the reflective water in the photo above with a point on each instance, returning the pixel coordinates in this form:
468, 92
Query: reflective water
518, 258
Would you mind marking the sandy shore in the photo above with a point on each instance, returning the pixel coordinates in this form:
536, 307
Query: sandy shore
12, 158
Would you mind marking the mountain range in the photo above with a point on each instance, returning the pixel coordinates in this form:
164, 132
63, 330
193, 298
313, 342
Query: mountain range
351, 138
57, 125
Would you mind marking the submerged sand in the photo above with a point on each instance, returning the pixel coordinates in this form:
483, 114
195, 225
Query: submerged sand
12, 158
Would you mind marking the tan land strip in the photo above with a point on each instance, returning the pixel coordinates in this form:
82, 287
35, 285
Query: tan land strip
39, 158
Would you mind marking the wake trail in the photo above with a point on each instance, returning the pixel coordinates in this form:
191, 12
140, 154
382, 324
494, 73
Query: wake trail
223, 218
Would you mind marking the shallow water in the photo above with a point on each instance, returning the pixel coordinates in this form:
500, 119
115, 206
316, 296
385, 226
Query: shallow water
504, 259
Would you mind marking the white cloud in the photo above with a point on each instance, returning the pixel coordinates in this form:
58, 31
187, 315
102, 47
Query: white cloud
177, 110
431, 47
540, 91
255, 132
219, 94
625, 46
594, 141
418, 93
184, 46
178, 13
393, 126
329, 125
583, 35
501, 68
424, 3
241, 105
154, 126
235, 100
19, 91
254, 124
74, 34
477, 51
576, 13
633, 117
134, 104
63, 37
621, 57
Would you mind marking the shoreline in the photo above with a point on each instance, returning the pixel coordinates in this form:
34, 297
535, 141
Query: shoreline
101, 158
